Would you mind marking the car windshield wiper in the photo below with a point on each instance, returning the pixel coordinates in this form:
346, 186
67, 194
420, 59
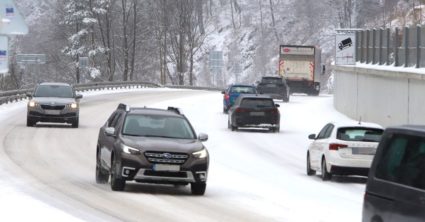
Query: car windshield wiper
172, 137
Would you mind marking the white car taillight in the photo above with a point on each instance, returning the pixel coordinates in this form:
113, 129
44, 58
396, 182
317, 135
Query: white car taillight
336, 146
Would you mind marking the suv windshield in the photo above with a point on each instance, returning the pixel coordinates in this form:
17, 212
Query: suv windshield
257, 102
61, 91
359, 134
271, 80
242, 89
157, 126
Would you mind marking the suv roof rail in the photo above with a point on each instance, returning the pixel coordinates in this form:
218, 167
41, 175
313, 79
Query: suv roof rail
175, 109
123, 106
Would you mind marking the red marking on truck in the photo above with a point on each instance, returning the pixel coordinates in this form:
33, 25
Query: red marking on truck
312, 70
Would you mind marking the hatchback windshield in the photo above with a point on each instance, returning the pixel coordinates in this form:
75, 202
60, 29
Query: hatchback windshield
243, 89
359, 134
61, 91
158, 126
257, 102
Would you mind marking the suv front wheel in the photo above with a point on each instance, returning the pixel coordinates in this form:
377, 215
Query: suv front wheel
198, 188
117, 183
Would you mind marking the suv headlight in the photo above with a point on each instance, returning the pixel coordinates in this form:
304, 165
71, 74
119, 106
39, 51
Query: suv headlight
201, 154
130, 150
32, 103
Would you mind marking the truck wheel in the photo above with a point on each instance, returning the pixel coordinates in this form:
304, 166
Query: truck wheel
117, 184
198, 188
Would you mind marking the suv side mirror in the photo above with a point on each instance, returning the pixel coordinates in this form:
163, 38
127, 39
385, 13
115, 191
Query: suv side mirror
110, 131
78, 96
312, 136
277, 105
203, 137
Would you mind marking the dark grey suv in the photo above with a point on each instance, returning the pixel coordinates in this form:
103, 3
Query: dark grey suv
53, 102
395, 189
152, 146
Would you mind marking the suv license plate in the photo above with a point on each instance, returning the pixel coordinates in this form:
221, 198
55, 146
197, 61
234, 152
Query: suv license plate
257, 113
52, 112
166, 167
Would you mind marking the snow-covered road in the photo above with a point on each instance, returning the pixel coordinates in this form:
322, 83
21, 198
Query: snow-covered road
48, 172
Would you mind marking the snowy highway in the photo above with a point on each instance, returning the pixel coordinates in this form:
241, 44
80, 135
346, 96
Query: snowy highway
254, 175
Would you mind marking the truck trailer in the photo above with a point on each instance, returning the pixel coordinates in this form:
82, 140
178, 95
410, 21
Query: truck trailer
301, 67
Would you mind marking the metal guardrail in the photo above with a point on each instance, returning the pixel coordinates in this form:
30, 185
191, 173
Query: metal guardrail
17, 95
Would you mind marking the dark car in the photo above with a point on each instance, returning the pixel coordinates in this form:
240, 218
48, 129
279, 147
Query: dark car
53, 102
275, 86
151, 146
233, 91
258, 111
395, 189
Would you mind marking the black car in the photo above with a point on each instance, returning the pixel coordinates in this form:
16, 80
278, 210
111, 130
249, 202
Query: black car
395, 189
151, 146
53, 102
275, 86
258, 111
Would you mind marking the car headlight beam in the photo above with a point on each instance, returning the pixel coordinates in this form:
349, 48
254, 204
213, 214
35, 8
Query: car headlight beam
74, 105
201, 154
32, 103
130, 150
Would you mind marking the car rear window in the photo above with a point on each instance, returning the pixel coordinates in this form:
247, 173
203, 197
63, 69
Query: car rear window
157, 126
359, 134
243, 89
54, 91
257, 102
403, 160
271, 80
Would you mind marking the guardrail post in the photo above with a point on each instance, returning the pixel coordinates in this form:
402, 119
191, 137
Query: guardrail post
406, 47
418, 46
387, 58
373, 46
396, 39
381, 38
362, 46
367, 45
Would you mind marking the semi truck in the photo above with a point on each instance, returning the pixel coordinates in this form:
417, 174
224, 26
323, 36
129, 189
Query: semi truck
301, 67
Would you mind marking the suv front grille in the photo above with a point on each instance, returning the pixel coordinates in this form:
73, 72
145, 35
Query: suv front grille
166, 157
53, 107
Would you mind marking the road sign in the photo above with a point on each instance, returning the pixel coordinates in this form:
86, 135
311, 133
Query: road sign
11, 22
4, 55
31, 58
83, 62
345, 48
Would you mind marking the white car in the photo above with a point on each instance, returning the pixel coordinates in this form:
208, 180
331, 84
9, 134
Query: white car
343, 149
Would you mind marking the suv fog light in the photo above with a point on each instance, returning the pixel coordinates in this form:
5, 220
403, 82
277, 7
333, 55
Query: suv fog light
126, 171
202, 176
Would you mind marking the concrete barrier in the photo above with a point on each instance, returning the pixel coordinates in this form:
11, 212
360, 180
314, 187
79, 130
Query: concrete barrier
387, 97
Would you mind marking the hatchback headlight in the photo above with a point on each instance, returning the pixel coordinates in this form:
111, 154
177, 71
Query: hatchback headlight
74, 105
201, 154
130, 150
32, 103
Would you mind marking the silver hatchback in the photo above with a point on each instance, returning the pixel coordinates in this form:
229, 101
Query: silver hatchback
53, 102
